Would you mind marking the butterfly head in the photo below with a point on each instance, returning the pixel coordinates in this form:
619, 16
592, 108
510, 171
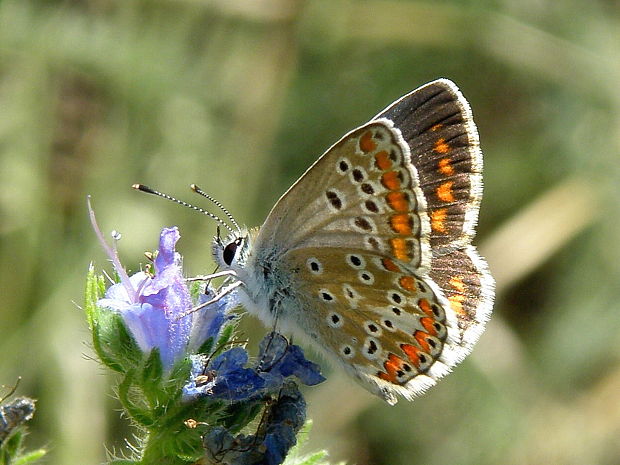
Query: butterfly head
232, 252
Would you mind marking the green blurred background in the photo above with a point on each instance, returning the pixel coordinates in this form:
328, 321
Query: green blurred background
240, 97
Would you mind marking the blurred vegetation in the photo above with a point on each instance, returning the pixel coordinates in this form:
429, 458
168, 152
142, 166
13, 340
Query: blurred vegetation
240, 97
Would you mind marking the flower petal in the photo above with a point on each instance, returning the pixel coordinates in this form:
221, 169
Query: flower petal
118, 292
277, 356
208, 322
149, 327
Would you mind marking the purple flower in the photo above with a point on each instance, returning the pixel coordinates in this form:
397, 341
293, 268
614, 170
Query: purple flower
227, 377
151, 306
276, 435
208, 322
286, 418
279, 358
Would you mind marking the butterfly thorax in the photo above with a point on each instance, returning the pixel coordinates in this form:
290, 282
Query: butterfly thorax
264, 289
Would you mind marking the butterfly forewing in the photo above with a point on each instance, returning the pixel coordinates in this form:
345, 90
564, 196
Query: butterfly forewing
362, 193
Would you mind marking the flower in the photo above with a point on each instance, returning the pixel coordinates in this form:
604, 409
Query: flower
152, 306
227, 377
286, 417
178, 365
282, 420
206, 324
279, 358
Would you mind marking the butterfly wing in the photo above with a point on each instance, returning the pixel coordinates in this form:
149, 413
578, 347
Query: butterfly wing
389, 326
371, 200
436, 122
362, 193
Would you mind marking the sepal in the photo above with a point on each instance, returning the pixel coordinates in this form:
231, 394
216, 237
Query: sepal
111, 339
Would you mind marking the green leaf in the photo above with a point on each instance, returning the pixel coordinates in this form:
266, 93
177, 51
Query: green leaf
95, 288
206, 346
11, 450
226, 335
195, 289
313, 459
112, 342
127, 395
98, 346
303, 435
240, 414
172, 387
124, 342
30, 457
151, 377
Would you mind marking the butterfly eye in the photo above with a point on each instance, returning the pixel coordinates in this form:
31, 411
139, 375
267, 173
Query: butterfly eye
229, 252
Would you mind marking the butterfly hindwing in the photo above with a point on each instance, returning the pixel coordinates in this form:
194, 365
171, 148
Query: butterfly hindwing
466, 282
389, 326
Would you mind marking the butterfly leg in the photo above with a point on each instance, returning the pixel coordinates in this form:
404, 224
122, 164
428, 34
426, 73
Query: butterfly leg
225, 291
209, 277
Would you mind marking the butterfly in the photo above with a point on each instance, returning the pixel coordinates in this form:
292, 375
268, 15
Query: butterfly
368, 256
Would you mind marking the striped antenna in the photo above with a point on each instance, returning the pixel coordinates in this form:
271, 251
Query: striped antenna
199, 191
148, 190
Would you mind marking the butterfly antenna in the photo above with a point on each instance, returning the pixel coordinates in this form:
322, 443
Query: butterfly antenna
199, 191
148, 190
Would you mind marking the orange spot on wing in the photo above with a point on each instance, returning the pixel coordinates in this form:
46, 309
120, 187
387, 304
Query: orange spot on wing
420, 336
436, 127
428, 325
392, 365
441, 146
366, 142
438, 220
390, 265
399, 248
387, 377
382, 161
456, 302
402, 224
412, 353
457, 283
444, 192
407, 282
445, 167
398, 201
390, 180
425, 306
